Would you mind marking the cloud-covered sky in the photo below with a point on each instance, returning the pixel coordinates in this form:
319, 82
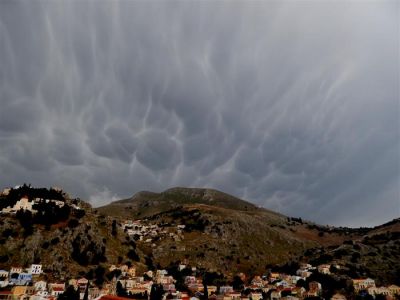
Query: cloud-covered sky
290, 105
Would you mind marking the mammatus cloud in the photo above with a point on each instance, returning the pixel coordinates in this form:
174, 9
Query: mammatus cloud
293, 106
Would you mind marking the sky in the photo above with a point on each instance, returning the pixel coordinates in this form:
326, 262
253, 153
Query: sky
292, 105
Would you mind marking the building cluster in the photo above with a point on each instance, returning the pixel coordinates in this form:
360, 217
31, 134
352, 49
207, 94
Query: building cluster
367, 286
26, 204
150, 232
28, 284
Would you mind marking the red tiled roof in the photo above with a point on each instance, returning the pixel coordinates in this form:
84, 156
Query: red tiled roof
110, 297
5, 292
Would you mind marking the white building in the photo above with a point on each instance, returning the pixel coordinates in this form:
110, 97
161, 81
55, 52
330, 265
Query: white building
36, 269
3, 274
17, 270
41, 285
324, 269
4, 280
23, 203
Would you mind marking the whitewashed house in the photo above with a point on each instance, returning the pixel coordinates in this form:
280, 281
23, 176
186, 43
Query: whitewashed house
36, 269
41, 285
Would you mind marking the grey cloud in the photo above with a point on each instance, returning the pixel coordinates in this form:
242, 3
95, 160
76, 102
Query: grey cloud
157, 151
294, 106
20, 115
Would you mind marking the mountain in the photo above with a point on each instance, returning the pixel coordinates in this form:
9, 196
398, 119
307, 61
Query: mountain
202, 227
227, 234
144, 204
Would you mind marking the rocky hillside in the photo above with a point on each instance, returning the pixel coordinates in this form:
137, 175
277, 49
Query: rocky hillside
227, 234
71, 241
204, 228
375, 254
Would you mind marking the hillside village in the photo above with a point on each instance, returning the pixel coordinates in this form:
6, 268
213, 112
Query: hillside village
27, 203
189, 283
140, 230
183, 280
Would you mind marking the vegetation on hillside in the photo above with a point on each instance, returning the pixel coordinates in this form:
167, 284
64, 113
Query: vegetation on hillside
222, 236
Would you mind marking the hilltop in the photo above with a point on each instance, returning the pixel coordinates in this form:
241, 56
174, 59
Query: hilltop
144, 204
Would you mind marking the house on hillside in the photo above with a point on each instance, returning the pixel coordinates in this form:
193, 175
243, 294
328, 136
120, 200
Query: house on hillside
363, 283
36, 269
40, 285
131, 272
212, 289
255, 296
282, 284
190, 280
22, 279
225, 289
3, 274
24, 203
93, 292
3, 278
15, 270
394, 289
373, 291
56, 289
303, 273
276, 295
311, 294
274, 276
169, 288
298, 292
233, 295
324, 269
5, 192
19, 291
82, 283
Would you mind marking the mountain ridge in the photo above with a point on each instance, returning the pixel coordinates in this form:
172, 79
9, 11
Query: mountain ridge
176, 196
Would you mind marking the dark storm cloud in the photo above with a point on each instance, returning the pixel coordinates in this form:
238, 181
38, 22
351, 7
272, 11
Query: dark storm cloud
292, 105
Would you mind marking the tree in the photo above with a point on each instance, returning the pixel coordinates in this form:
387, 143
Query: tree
301, 283
133, 255
380, 297
72, 223
99, 275
25, 219
156, 292
205, 291
237, 283
86, 295
121, 292
114, 231
69, 294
